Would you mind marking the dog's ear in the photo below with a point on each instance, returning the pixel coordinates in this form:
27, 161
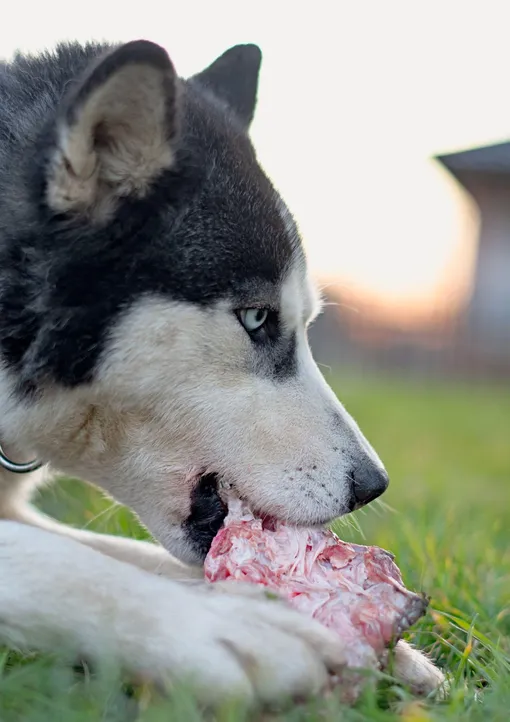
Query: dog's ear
116, 131
233, 78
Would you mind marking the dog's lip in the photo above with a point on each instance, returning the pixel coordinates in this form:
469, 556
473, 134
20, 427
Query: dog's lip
318, 521
271, 518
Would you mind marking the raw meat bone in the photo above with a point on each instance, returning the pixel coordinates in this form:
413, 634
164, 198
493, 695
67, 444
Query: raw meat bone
354, 590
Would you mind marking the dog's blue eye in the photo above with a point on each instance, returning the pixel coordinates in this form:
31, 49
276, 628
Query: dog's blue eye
253, 318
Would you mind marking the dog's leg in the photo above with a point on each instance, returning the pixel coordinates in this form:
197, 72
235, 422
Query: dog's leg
415, 670
57, 594
150, 557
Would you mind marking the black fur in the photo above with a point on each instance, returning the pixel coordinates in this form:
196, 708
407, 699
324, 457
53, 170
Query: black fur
233, 78
209, 229
206, 515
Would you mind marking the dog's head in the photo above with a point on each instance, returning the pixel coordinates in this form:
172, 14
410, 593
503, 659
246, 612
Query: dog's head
156, 306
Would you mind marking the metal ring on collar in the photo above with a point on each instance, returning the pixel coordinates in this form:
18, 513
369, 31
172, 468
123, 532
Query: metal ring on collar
17, 468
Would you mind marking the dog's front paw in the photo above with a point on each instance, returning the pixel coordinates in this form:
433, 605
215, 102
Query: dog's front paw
418, 672
230, 645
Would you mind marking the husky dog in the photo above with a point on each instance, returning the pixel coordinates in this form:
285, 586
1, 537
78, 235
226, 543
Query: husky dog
154, 301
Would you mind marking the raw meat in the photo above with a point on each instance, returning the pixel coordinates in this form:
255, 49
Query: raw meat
356, 591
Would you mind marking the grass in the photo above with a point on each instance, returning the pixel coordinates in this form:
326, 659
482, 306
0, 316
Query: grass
447, 519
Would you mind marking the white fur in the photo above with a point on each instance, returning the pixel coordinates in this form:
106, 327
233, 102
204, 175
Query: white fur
175, 395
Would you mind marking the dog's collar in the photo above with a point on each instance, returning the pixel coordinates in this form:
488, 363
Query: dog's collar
15, 466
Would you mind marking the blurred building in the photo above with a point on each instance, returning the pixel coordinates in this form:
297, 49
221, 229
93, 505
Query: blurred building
485, 174
474, 342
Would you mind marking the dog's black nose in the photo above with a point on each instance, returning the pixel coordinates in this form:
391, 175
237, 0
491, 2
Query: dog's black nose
369, 482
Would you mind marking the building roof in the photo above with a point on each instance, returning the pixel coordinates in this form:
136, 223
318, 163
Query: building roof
487, 159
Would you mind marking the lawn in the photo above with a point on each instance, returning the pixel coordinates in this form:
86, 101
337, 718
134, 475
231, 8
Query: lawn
446, 517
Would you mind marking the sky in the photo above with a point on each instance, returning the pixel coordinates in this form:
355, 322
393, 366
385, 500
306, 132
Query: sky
356, 97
